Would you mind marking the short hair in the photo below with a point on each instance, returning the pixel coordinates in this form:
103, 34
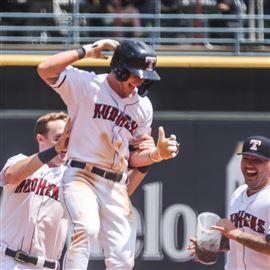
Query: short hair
41, 126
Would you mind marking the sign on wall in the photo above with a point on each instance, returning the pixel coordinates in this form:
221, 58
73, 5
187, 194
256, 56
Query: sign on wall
201, 178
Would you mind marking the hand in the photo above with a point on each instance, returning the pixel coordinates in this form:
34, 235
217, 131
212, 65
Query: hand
192, 246
62, 143
227, 228
144, 142
94, 50
166, 148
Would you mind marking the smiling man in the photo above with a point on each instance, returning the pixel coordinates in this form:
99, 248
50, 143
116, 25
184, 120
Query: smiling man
108, 114
248, 229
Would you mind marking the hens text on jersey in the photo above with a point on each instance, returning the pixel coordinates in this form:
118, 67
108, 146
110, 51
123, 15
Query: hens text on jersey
115, 115
243, 219
40, 187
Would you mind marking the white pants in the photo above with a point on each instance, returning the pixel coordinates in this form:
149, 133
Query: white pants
98, 207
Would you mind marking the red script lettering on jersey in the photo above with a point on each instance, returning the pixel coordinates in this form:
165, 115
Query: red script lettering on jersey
39, 187
113, 114
243, 219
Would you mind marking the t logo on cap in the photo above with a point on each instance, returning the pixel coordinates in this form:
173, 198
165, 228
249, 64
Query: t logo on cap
258, 146
254, 144
151, 61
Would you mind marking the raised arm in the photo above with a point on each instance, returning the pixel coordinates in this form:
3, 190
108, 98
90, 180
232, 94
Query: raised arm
50, 69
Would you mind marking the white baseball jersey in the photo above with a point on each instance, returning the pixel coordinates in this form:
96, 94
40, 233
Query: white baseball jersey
32, 217
103, 122
252, 215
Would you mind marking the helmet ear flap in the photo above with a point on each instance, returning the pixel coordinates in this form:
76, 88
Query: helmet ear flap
117, 66
144, 88
121, 74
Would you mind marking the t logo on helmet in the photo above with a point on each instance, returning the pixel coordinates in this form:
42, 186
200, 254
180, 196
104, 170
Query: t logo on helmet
254, 144
151, 62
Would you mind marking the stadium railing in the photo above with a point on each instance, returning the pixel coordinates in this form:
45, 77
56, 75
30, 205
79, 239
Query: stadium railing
187, 34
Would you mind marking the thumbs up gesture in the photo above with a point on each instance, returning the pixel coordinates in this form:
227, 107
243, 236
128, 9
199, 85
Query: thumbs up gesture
166, 148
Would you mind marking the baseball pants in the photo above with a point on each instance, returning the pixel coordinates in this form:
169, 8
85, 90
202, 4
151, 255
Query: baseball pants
98, 208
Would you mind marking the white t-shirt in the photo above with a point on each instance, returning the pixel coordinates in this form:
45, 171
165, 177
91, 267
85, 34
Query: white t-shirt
32, 217
252, 215
103, 123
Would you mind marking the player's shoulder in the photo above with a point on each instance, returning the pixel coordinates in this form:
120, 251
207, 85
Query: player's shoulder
146, 104
11, 161
75, 71
145, 100
14, 159
239, 190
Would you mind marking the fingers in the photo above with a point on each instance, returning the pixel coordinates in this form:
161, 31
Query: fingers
193, 240
94, 50
62, 144
172, 143
167, 147
143, 142
106, 44
102, 56
192, 246
67, 128
218, 228
161, 133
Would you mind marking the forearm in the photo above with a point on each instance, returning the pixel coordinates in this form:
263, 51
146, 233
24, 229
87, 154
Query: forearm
135, 179
26, 167
22, 169
255, 242
140, 159
50, 69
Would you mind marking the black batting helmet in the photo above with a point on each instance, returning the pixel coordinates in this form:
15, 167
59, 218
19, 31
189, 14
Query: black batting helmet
134, 57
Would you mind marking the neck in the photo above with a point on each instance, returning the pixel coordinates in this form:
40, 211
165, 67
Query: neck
117, 86
252, 191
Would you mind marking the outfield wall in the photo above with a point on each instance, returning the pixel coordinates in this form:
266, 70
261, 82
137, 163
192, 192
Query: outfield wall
187, 83
200, 179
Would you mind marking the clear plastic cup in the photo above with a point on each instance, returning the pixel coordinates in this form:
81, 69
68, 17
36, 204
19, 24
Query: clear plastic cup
208, 239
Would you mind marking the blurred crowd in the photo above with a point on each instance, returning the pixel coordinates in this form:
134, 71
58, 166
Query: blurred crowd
65, 7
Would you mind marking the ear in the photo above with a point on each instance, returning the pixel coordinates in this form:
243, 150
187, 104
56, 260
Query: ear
40, 138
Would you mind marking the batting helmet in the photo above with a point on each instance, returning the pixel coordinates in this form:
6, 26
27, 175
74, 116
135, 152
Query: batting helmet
134, 57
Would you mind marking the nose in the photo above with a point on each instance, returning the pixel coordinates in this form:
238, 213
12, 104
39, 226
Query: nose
249, 163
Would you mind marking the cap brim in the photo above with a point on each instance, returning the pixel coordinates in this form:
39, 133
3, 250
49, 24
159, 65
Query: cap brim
253, 154
145, 74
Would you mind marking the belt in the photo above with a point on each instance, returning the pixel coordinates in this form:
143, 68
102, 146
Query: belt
115, 177
22, 257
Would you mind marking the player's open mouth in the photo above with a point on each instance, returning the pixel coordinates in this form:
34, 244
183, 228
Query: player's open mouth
251, 173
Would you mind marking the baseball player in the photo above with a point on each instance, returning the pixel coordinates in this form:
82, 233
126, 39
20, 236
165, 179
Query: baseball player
107, 114
248, 229
33, 222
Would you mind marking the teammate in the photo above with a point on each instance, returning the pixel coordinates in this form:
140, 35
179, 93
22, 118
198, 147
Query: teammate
107, 114
33, 224
248, 229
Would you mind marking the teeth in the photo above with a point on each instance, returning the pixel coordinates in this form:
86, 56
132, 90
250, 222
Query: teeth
251, 171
